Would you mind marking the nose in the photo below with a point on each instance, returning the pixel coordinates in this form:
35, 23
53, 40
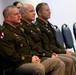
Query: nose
19, 15
34, 13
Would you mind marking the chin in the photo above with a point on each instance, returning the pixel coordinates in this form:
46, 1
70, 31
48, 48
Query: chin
48, 17
19, 21
33, 19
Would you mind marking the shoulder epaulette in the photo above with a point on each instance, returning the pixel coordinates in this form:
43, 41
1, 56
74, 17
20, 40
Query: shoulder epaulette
19, 25
2, 28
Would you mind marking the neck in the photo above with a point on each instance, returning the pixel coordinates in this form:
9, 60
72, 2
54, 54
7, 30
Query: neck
26, 21
13, 25
45, 20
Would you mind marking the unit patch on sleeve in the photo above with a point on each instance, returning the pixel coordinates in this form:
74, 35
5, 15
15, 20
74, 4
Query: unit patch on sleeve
1, 35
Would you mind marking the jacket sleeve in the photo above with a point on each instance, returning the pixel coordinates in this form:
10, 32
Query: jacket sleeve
57, 50
10, 53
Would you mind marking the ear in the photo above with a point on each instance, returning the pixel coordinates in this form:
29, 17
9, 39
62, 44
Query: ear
7, 17
23, 13
39, 12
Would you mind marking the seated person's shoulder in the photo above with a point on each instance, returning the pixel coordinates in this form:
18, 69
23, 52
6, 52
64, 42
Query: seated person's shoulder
2, 28
1, 32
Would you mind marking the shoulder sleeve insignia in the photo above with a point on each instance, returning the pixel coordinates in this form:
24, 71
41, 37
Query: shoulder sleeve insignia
1, 35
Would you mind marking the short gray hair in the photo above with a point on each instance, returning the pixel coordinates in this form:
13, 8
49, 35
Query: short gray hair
6, 10
23, 8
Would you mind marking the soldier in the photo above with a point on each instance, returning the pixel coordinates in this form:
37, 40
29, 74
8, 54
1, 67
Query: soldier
14, 49
43, 12
28, 15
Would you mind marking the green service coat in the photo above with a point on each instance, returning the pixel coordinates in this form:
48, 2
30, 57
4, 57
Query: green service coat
14, 48
48, 29
35, 35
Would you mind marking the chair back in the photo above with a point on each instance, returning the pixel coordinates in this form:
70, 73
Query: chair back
67, 35
59, 35
74, 30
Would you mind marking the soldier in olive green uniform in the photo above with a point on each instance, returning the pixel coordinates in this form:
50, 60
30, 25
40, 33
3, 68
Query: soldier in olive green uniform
14, 49
34, 37
42, 23
28, 14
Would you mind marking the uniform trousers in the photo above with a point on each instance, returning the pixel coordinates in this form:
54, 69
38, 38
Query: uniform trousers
54, 66
74, 54
31, 69
74, 59
70, 63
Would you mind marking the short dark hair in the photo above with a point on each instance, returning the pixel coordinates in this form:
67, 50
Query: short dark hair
15, 3
39, 6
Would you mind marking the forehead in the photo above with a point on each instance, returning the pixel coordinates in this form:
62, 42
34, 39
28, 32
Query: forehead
13, 10
30, 7
45, 7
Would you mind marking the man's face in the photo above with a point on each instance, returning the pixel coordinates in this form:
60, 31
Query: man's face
29, 14
14, 16
45, 12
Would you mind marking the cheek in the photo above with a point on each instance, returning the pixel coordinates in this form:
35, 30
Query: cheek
15, 19
44, 14
26, 16
48, 14
31, 16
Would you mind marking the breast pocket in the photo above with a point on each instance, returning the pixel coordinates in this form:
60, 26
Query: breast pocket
19, 41
35, 36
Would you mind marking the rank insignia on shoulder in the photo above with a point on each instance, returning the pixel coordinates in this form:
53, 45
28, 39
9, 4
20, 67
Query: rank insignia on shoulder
1, 35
